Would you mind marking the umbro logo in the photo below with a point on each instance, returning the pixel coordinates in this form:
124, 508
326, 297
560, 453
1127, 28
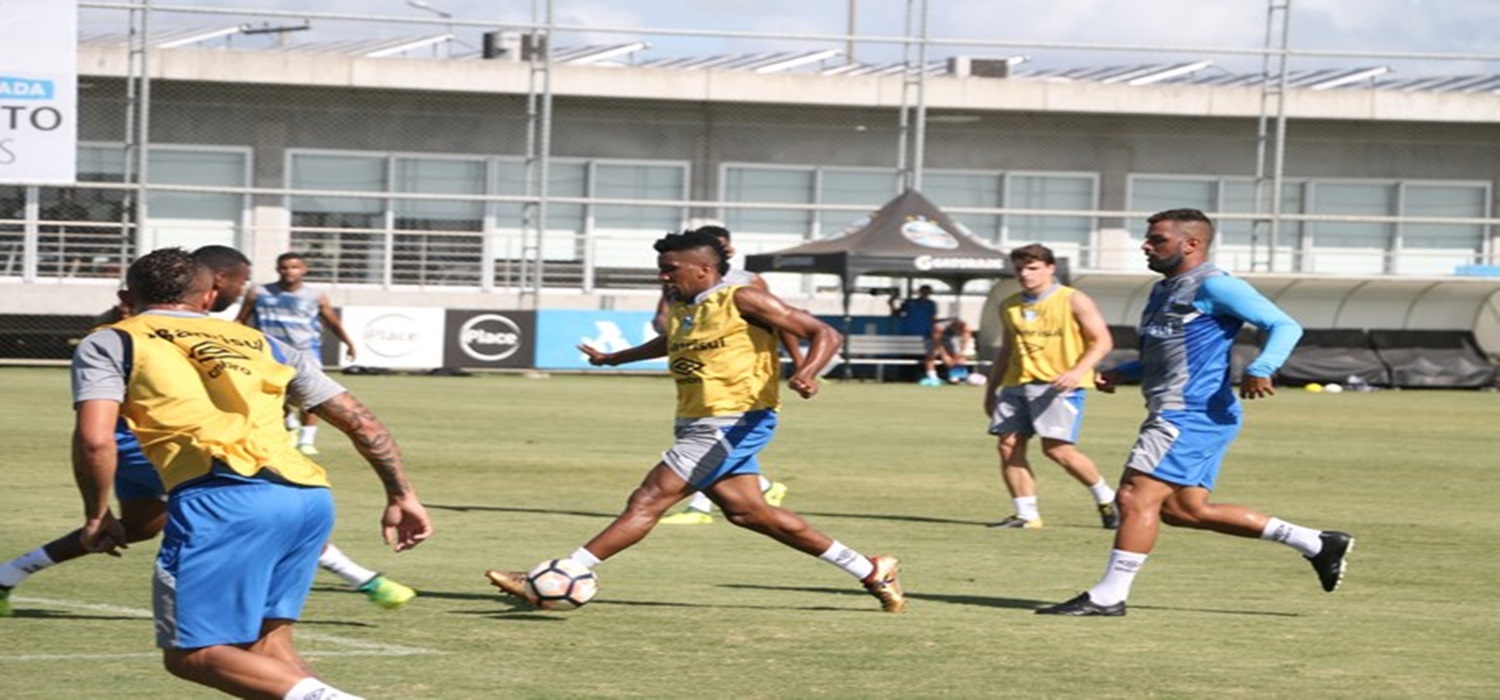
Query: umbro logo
213, 352
683, 365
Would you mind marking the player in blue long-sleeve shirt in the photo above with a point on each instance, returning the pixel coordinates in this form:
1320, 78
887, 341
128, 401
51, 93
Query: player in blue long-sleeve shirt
1187, 331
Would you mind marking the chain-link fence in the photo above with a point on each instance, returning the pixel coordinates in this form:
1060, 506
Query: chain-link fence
534, 158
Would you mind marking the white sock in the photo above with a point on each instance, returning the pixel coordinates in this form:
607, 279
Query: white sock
1303, 539
700, 503
1118, 575
932, 374
585, 557
309, 434
1102, 492
337, 563
857, 565
314, 689
293, 421
765, 484
1026, 508
16, 570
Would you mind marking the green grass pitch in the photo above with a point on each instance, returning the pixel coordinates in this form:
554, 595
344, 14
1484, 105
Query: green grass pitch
516, 470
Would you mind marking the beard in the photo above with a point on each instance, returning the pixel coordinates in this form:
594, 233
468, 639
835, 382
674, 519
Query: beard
1165, 264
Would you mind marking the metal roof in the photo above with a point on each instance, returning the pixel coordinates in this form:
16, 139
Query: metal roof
828, 62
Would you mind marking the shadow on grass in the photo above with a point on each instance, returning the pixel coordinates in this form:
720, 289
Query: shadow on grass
510, 509
594, 514
43, 614
954, 599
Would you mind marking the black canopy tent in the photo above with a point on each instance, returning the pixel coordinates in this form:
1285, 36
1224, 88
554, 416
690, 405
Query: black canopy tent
908, 237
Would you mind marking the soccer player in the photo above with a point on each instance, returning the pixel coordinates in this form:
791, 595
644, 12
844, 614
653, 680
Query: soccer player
139, 490
1052, 336
1187, 330
699, 510
247, 514
721, 346
294, 313
917, 316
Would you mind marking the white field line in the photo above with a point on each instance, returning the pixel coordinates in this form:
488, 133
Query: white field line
356, 647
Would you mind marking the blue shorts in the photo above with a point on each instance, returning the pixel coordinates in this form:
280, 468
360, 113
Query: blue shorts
1184, 447
236, 552
709, 449
135, 478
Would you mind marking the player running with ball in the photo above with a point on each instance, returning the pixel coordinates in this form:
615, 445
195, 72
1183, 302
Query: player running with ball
721, 345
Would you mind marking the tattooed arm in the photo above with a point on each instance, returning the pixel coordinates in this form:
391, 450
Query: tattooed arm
405, 522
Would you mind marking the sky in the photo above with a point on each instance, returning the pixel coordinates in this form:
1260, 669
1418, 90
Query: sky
1377, 26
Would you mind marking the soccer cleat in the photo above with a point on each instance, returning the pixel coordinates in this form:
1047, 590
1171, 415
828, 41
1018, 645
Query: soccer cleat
308, 450
511, 583
1083, 606
884, 583
1109, 517
4, 601
930, 381
387, 593
776, 494
1331, 560
1016, 522
688, 517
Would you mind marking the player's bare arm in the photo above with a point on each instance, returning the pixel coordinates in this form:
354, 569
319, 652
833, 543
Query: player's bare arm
1095, 336
649, 350
94, 461
788, 341
771, 311
246, 316
405, 522
331, 319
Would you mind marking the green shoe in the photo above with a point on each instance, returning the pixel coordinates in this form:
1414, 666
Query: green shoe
776, 494
309, 450
688, 517
387, 593
4, 601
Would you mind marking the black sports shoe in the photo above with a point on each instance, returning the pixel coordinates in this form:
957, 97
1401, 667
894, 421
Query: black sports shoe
1082, 606
1109, 516
1330, 562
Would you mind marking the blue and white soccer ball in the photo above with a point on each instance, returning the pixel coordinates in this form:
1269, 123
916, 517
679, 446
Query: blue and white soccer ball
561, 584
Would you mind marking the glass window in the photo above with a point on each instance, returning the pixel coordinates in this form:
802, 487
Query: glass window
628, 181
428, 257
1049, 192
1152, 195
967, 190
342, 237
70, 248
193, 219
767, 185
1357, 199
869, 188
1457, 201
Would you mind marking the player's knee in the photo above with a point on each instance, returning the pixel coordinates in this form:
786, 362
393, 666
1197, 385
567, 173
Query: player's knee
1060, 452
1181, 514
185, 664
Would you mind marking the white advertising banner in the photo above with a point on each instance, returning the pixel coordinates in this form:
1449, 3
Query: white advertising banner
38, 91
396, 337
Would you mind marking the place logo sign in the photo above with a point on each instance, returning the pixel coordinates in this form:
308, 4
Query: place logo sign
489, 337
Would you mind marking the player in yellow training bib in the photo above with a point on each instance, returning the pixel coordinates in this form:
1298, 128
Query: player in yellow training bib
721, 348
1053, 335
